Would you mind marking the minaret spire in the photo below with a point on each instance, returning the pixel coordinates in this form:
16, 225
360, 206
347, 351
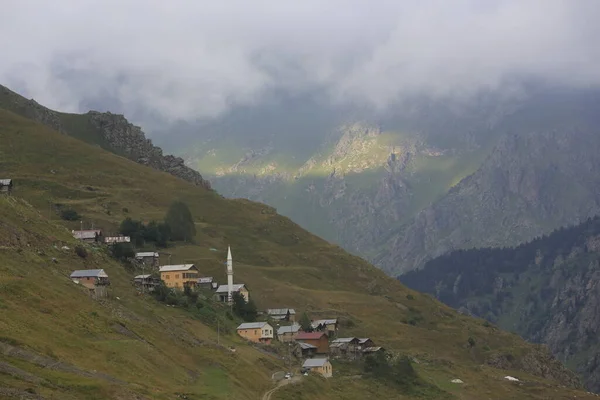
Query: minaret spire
229, 275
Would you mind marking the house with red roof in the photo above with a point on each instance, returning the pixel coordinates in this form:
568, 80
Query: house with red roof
318, 339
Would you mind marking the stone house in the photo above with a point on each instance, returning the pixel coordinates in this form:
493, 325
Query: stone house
288, 333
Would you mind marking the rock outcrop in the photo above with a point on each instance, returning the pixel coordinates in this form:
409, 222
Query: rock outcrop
129, 140
113, 131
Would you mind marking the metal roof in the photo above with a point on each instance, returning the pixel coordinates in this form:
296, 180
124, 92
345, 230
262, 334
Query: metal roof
206, 279
372, 349
142, 276
363, 340
86, 234
288, 329
146, 254
345, 340
310, 335
280, 311
84, 273
234, 288
5, 182
314, 362
252, 325
179, 267
306, 346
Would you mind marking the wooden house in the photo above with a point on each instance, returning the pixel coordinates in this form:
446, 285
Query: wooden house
148, 258
319, 365
90, 277
326, 325
179, 276
6, 186
88, 235
307, 350
282, 314
365, 342
288, 333
373, 350
318, 339
222, 291
258, 332
146, 282
345, 347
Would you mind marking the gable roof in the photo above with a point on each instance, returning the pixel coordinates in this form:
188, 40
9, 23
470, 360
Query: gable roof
235, 288
5, 182
146, 254
252, 325
280, 311
86, 234
310, 335
363, 340
142, 276
345, 340
307, 346
178, 267
288, 329
205, 279
318, 322
314, 362
92, 273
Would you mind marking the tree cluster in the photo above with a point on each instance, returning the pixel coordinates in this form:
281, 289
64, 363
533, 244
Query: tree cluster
178, 225
246, 311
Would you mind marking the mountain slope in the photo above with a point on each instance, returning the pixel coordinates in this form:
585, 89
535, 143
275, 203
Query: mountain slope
157, 351
546, 290
541, 175
109, 131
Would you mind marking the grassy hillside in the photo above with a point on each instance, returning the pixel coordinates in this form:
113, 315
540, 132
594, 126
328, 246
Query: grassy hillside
133, 346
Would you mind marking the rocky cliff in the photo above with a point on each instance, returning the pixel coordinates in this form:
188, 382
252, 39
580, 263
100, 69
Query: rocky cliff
548, 291
111, 131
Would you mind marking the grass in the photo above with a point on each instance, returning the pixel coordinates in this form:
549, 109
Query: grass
170, 351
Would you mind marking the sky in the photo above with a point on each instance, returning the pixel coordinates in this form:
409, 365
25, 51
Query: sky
195, 59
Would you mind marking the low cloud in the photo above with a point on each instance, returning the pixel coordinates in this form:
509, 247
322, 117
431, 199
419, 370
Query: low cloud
195, 59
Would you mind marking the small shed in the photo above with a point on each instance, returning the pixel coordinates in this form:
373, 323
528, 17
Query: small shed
307, 350
6, 186
318, 365
282, 314
90, 277
88, 235
205, 282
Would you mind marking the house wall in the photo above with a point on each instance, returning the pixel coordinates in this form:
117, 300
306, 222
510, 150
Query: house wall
287, 337
178, 279
253, 335
267, 332
322, 344
326, 370
245, 293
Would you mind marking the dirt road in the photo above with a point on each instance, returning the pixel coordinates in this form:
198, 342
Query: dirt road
280, 384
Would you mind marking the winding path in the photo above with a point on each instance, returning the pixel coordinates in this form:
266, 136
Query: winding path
282, 383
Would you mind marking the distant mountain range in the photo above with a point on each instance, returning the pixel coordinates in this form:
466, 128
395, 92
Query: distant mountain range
419, 180
547, 291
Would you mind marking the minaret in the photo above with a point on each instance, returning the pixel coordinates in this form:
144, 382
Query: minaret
229, 275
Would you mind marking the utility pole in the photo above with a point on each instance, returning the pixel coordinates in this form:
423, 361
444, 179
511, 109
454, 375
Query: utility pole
218, 332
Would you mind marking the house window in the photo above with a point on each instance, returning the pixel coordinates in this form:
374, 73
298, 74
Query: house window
167, 276
176, 276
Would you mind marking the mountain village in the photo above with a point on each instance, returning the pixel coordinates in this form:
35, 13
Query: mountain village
315, 344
